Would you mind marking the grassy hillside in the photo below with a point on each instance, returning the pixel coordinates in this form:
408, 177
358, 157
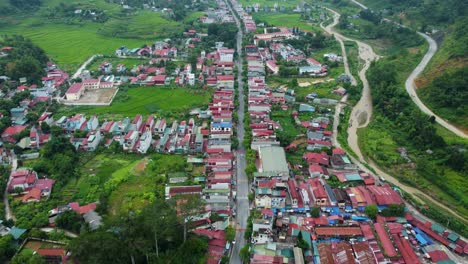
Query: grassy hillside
443, 84
70, 40
271, 3
421, 14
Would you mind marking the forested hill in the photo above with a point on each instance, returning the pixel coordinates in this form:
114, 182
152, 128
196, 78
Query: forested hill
442, 85
179, 9
421, 14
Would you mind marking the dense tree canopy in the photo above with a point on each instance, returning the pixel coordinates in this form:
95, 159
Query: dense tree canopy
24, 60
25, 4
70, 220
155, 235
449, 90
371, 211
59, 161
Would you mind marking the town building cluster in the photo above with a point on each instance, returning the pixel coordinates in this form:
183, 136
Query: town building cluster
287, 194
219, 15
217, 146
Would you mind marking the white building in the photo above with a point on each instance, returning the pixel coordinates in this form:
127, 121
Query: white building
145, 142
93, 141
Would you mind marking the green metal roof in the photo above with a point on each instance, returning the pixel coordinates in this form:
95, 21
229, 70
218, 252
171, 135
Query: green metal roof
199, 179
353, 177
437, 228
401, 220
454, 237
17, 232
286, 252
261, 191
446, 261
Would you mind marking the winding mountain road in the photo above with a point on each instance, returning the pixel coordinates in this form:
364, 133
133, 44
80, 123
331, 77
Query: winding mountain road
411, 87
360, 117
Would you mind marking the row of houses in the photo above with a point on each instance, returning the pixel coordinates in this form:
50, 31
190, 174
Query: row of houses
26, 183
159, 49
219, 171
53, 80
219, 15
247, 19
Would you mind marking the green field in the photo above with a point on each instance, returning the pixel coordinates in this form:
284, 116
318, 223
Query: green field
323, 90
68, 45
101, 175
147, 100
285, 20
270, 3
69, 42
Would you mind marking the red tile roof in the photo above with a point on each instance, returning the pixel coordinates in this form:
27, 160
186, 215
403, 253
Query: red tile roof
386, 243
384, 195
338, 231
225, 78
174, 190
12, 130
438, 255
75, 88
33, 195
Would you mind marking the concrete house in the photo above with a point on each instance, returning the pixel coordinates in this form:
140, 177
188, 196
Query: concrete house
130, 139
46, 117
160, 126
122, 127
92, 124
92, 141
145, 142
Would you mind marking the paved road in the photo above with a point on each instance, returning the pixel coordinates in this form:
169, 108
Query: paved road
360, 117
242, 185
411, 87
84, 65
8, 213
339, 38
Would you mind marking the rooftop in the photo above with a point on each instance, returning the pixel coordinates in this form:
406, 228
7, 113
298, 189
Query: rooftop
273, 159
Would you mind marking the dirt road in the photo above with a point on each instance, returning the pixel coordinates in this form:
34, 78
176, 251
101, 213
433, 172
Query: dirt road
360, 117
362, 112
8, 212
329, 29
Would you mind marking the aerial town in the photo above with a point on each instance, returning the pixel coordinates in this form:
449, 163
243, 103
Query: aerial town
233, 140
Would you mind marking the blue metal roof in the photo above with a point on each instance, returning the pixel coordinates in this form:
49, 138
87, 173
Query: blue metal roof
420, 239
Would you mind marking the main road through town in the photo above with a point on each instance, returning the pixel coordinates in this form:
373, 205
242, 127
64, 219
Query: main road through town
242, 183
